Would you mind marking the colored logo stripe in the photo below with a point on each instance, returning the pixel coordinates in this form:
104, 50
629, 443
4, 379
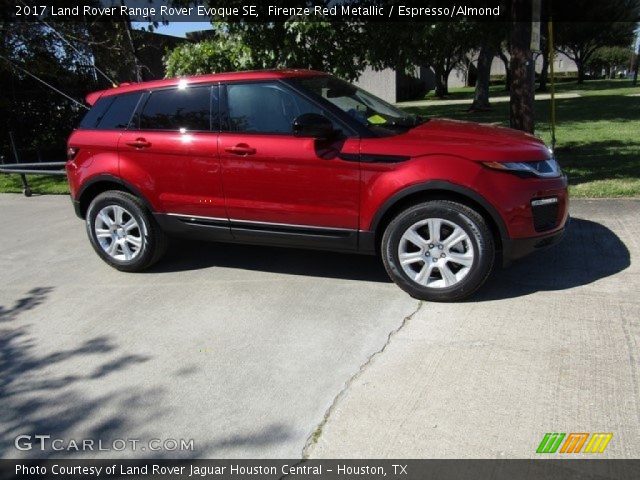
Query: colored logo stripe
574, 442
550, 443
598, 442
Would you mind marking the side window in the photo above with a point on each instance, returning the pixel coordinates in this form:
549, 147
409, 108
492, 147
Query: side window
265, 108
178, 109
93, 116
119, 112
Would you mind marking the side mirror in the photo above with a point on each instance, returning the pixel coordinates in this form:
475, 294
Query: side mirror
312, 125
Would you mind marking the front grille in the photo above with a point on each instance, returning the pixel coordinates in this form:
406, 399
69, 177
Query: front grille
545, 217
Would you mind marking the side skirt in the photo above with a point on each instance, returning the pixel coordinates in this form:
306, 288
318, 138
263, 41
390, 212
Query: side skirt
260, 233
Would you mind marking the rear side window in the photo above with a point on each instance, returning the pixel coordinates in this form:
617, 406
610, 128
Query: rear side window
178, 109
93, 116
112, 112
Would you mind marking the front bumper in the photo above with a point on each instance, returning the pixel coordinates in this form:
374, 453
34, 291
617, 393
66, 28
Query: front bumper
514, 249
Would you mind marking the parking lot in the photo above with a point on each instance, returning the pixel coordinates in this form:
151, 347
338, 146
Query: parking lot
261, 352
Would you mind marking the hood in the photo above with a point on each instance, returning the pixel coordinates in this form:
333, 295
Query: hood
474, 141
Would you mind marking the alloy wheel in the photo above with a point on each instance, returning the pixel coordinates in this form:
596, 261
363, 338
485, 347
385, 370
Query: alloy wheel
436, 253
118, 233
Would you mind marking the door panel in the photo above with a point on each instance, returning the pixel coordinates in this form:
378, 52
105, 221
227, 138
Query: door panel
180, 171
170, 150
289, 180
272, 176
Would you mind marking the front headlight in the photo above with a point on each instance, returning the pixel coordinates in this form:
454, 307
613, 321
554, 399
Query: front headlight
543, 168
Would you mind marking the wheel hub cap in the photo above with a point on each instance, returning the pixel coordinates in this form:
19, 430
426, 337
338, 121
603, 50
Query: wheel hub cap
436, 253
118, 233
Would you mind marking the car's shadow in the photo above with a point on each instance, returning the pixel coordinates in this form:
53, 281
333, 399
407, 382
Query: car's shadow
186, 255
589, 252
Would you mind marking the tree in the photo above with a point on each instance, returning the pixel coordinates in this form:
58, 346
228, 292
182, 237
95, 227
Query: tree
544, 71
544, 53
579, 41
636, 64
298, 43
39, 118
481, 93
443, 46
505, 60
314, 41
522, 70
64, 55
610, 24
125, 54
221, 54
608, 59
488, 38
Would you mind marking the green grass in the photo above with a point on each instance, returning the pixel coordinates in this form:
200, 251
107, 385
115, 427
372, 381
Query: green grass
466, 93
597, 134
39, 184
462, 93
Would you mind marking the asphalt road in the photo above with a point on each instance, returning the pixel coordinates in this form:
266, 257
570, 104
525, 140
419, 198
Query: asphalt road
265, 352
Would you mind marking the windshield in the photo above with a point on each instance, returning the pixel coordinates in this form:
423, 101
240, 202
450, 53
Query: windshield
366, 108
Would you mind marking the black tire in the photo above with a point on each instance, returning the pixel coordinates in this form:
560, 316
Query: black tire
153, 240
466, 218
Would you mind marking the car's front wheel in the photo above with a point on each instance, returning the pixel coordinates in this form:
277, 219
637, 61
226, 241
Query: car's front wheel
123, 232
438, 250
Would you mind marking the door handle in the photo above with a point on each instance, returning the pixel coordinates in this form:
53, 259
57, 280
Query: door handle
241, 149
139, 143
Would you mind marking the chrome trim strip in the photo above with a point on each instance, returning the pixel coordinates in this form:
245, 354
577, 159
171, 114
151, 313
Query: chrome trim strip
544, 201
194, 217
253, 222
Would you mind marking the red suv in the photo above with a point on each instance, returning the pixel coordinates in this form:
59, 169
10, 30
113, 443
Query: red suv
302, 159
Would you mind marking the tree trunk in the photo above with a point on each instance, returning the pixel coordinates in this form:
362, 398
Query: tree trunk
481, 96
471, 74
507, 69
522, 70
441, 86
445, 80
544, 73
580, 66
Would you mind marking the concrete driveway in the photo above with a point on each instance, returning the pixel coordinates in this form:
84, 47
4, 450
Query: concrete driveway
265, 352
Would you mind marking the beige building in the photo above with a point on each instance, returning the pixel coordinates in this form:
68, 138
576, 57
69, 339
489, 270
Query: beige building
394, 86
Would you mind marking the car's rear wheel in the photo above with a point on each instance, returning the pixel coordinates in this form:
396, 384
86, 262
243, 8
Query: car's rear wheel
438, 250
123, 232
